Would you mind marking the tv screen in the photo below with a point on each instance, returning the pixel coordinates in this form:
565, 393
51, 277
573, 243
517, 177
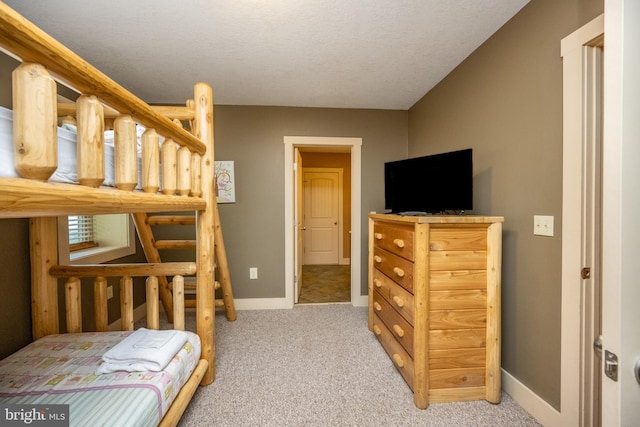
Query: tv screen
437, 183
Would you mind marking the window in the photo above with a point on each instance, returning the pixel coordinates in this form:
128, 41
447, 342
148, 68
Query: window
82, 232
94, 239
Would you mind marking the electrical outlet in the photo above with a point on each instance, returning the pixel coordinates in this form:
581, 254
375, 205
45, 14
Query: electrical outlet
543, 225
109, 292
253, 273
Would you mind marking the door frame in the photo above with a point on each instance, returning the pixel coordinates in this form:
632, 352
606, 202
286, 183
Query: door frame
574, 50
355, 147
298, 235
340, 172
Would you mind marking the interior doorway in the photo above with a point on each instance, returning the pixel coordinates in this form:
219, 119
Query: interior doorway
294, 149
325, 272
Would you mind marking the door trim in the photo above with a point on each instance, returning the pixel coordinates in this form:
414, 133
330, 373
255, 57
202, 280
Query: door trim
573, 50
355, 145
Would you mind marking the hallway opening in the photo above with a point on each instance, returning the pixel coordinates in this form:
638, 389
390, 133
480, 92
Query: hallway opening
350, 221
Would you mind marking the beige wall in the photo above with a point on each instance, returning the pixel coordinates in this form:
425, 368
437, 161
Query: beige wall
505, 102
15, 303
253, 137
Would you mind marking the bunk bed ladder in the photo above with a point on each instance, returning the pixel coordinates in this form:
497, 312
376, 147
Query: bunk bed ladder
152, 247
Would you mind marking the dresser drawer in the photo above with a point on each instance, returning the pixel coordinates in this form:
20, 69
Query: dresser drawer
457, 239
398, 326
397, 268
456, 378
396, 238
396, 352
398, 297
382, 283
402, 300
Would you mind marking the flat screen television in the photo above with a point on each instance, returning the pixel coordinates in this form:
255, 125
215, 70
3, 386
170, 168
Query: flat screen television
435, 184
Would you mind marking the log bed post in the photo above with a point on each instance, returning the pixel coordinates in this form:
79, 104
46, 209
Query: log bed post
205, 223
35, 121
150, 161
90, 140
169, 152
100, 309
196, 159
126, 158
126, 303
153, 306
43, 239
183, 180
73, 304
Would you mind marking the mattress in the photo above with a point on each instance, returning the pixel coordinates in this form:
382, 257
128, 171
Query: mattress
67, 152
61, 369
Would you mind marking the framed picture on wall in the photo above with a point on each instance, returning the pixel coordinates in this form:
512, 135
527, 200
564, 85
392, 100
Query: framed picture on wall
226, 181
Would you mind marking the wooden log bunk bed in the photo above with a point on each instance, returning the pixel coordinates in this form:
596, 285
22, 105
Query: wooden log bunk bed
33, 195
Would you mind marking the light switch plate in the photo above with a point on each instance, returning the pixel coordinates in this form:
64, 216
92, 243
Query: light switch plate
543, 225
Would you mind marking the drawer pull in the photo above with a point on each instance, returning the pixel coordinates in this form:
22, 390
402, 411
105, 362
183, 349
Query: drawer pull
399, 243
377, 330
377, 306
399, 301
377, 283
398, 330
399, 272
377, 259
378, 236
398, 360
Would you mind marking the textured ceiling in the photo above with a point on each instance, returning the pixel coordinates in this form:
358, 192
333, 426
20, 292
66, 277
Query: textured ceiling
379, 54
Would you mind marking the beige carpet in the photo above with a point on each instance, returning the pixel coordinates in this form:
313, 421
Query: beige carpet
319, 365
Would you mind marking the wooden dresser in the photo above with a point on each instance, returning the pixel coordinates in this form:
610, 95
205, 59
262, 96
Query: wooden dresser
434, 302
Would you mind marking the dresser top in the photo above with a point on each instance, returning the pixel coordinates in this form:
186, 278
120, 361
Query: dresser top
438, 219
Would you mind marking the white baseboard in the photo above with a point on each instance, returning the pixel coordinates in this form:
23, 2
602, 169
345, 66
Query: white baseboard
361, 301
280, 303
241, 304
544, 413
261, 303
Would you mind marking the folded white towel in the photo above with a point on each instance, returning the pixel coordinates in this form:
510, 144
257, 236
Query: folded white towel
143, 350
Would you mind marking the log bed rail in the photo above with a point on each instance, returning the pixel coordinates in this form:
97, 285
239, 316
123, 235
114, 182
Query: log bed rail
126, 273
33, 197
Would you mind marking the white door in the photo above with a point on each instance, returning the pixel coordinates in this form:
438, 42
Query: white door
321, 216
299, 234
621, 211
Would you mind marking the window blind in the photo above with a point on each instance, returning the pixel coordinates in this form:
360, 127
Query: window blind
82, 231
